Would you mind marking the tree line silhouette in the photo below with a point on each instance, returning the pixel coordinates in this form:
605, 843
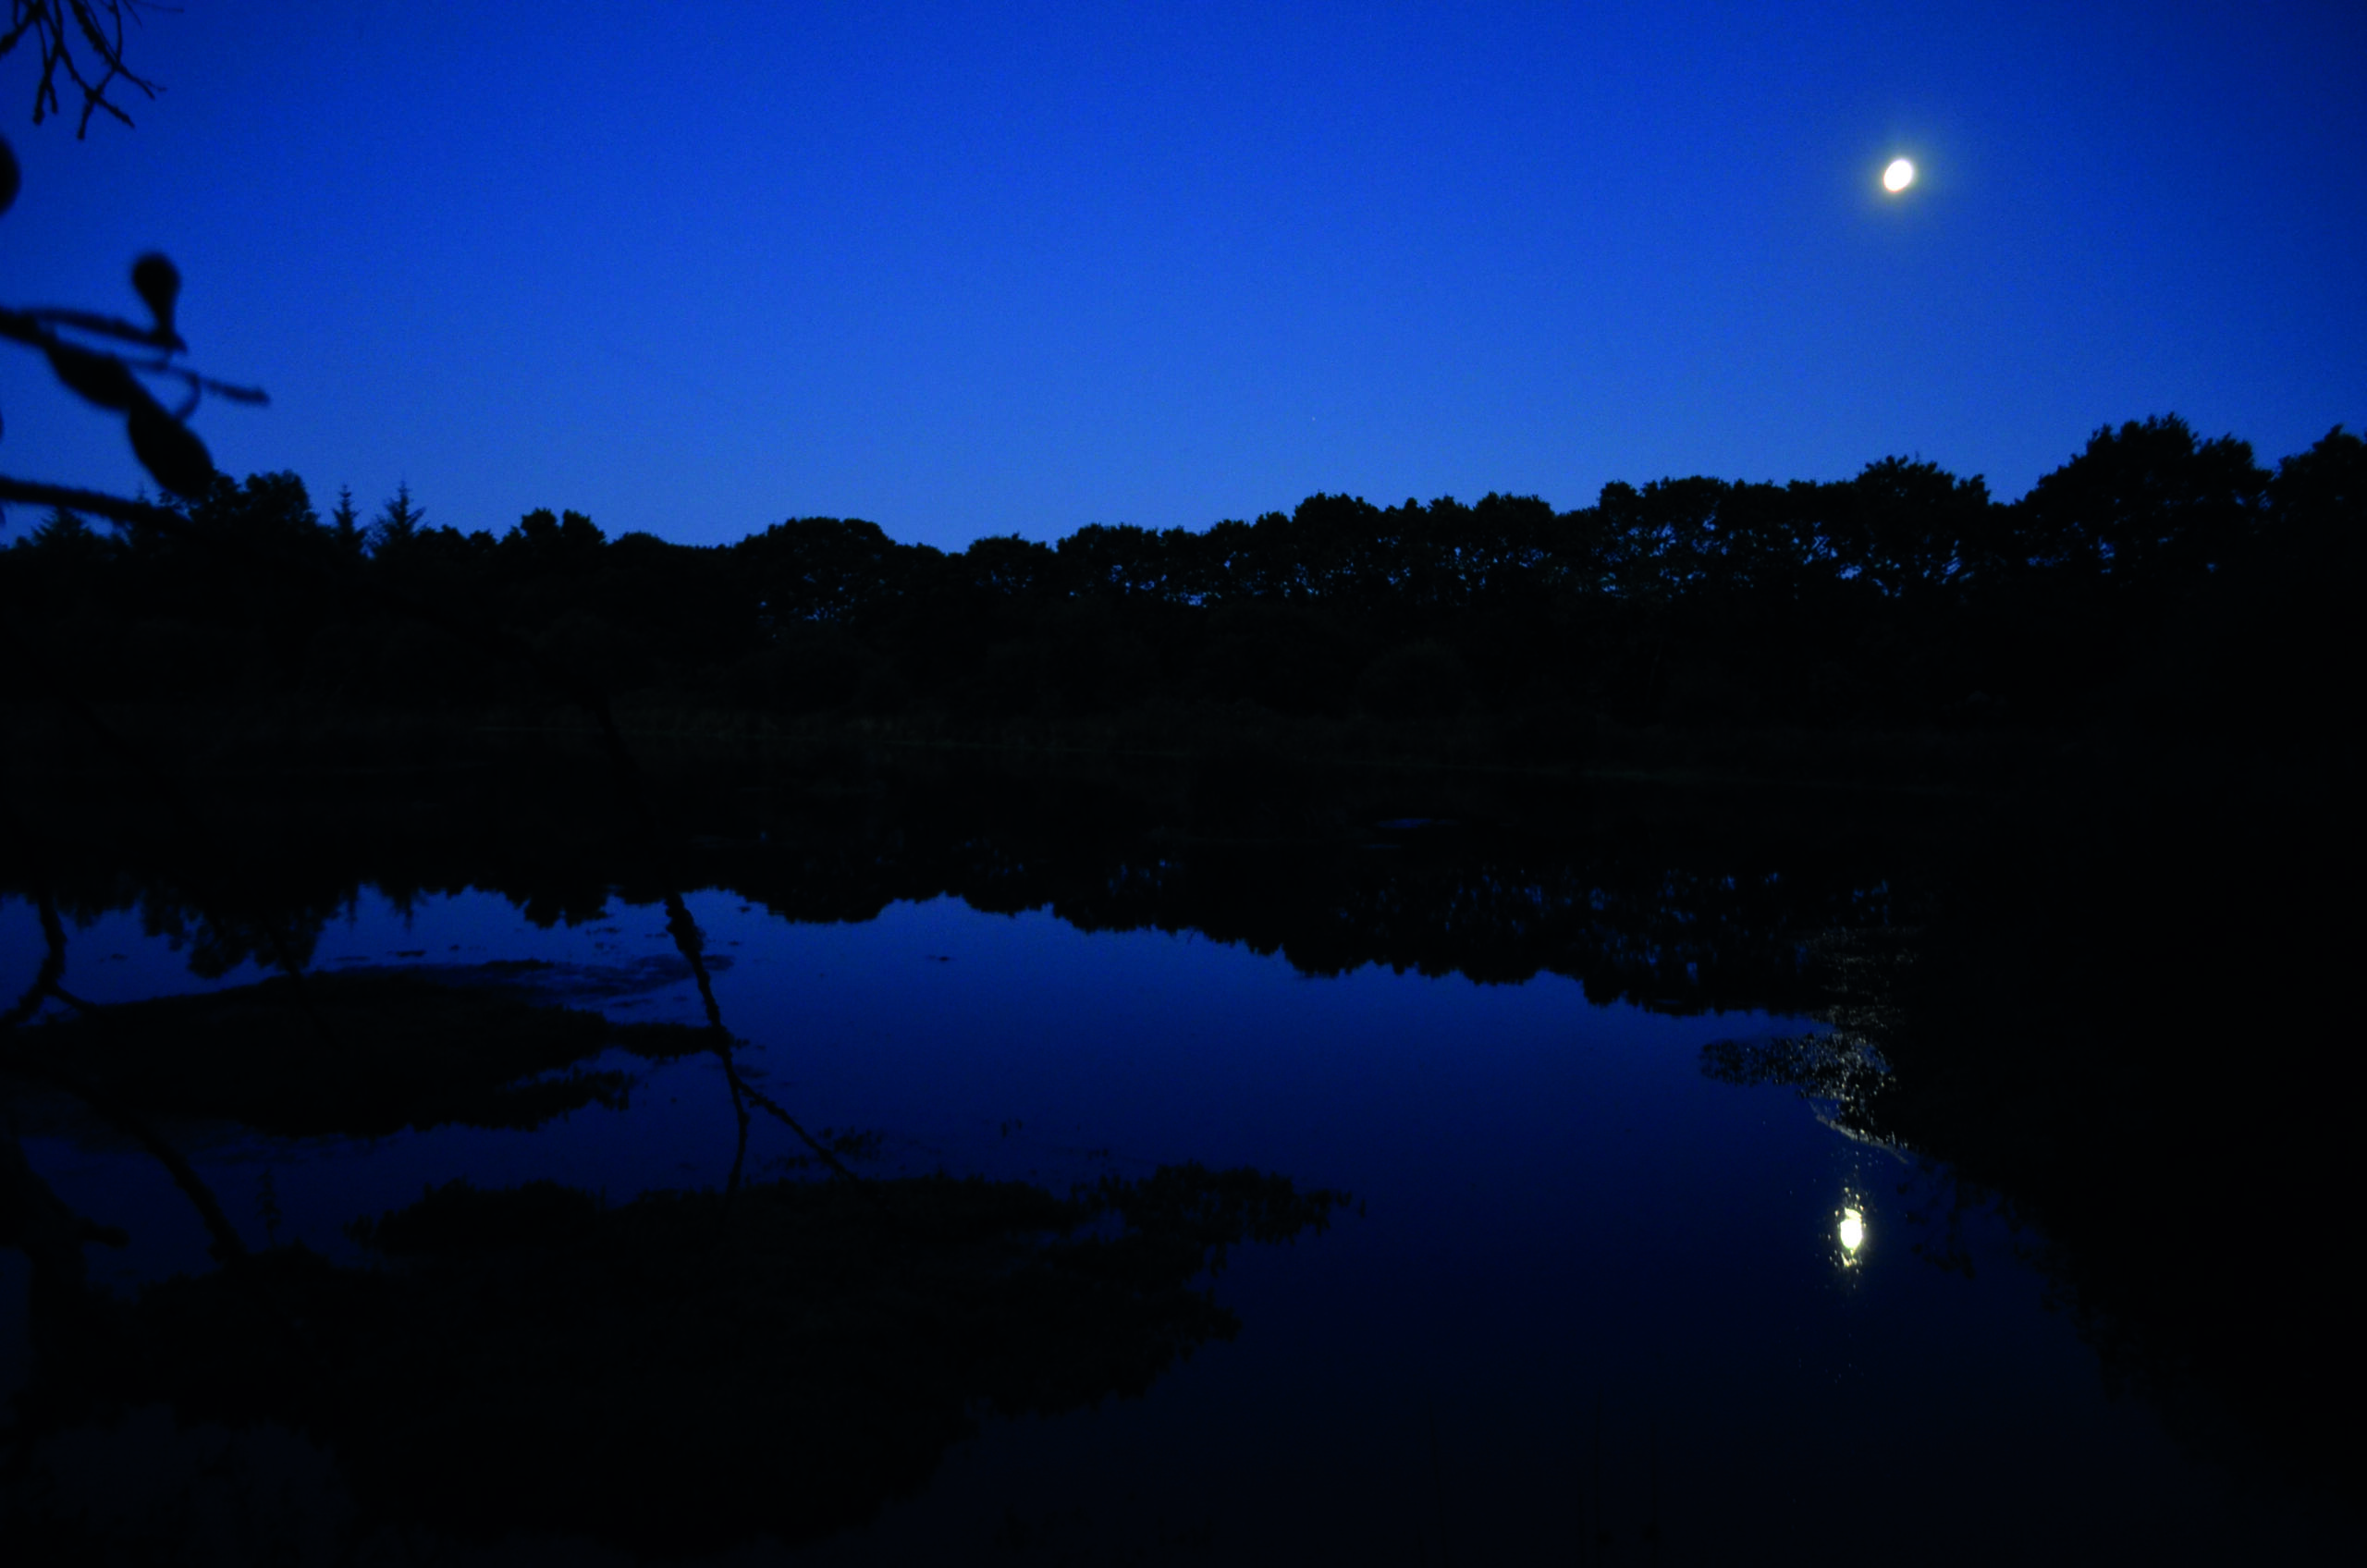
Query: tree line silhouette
2156, 576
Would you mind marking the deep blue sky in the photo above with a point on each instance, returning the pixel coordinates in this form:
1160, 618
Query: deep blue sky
966, 270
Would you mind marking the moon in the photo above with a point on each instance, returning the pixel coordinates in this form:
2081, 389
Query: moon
1898, 177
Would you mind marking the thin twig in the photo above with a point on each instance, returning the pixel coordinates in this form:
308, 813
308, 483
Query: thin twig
100, 325
690, 944
52, 22
821, 1151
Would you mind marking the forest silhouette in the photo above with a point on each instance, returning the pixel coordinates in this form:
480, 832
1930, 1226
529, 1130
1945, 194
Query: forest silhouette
2156, 582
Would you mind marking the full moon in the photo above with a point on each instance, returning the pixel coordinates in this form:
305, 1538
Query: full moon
1898, 177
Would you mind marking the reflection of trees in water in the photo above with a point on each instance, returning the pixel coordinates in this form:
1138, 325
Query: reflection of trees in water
1673, 925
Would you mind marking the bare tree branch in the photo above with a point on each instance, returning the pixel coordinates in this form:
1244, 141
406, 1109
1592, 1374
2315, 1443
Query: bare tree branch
84, 40
821, 1150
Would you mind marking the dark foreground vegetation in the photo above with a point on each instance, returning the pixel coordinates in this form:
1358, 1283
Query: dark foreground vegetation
675, 1375
2156, 583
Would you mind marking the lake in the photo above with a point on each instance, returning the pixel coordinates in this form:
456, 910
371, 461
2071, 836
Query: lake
1549, 1284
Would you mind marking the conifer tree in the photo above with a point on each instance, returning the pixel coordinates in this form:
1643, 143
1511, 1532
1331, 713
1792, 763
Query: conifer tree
398, 524
346, 523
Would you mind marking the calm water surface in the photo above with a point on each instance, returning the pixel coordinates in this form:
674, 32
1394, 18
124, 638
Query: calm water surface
1590, 1304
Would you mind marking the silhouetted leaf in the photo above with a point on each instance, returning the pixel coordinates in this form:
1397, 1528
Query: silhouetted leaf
11, 178
173, 456
159, 283
100, 379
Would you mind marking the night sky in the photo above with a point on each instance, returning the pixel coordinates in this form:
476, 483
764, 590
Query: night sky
968, 270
